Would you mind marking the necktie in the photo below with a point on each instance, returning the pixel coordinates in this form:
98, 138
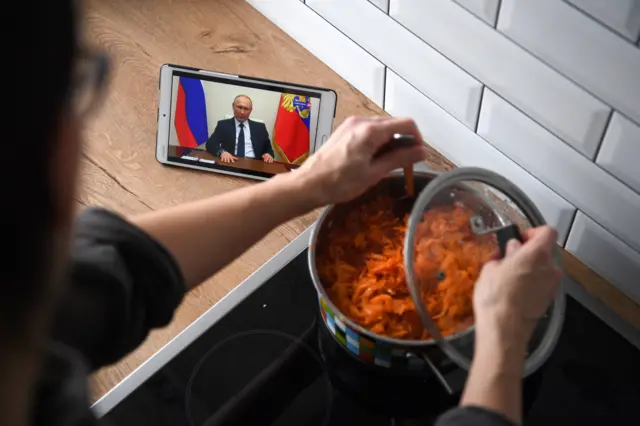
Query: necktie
240, 147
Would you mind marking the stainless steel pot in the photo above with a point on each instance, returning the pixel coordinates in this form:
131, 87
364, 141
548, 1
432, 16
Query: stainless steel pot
419, 356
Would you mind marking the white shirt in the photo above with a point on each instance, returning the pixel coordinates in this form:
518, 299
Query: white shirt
248, 146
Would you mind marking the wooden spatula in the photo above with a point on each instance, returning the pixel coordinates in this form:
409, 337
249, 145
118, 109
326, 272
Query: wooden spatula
408, 180
401, 141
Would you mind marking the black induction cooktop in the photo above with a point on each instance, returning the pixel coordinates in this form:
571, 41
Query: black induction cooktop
269, 361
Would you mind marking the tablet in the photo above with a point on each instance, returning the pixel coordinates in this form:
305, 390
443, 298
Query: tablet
237, 125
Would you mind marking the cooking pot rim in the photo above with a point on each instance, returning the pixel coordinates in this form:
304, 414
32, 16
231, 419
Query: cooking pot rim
315, 277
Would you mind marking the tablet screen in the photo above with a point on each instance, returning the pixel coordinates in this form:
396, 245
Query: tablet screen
245, 127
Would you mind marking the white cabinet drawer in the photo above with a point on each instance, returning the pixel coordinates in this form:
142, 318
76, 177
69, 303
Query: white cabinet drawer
383, 5
578, 47
542, 93
578, 180
329, 45
487, 10
605, 254
465, 148
622, 16
406, 55
620, 151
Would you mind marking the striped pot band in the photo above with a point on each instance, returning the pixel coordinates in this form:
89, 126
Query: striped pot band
378, 353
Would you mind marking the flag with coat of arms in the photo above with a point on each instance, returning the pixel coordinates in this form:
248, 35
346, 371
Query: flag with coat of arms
291, 134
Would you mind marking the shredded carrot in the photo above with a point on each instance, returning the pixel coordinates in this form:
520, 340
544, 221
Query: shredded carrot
361, 265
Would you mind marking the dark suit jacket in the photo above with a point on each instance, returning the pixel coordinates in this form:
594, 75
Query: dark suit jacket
224, 137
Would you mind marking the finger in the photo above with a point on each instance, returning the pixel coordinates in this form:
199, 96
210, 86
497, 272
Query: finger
512, 247
355, 127
385, 129
399, 158
544, 236
378, 118
354, 120
541, 242
535, 232
487, 267
527, 234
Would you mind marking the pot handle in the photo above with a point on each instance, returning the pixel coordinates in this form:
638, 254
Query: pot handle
437, 372
510, 232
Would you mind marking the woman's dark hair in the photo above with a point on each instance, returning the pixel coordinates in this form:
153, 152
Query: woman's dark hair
41, 78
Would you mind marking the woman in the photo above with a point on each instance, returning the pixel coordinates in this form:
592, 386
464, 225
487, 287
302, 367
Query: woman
63, 315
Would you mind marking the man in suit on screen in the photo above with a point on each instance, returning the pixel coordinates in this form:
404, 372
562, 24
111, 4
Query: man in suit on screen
240, 137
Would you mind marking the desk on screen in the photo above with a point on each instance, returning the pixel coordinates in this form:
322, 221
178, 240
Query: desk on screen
251, 164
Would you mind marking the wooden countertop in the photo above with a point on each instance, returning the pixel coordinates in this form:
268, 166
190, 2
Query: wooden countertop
119, 170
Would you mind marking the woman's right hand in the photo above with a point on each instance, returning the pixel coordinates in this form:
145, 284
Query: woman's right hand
513, 293
347, 164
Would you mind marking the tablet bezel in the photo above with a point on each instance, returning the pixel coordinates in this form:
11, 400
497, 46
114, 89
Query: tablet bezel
328, 101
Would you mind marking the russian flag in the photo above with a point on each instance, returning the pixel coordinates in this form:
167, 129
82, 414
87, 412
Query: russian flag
191, 113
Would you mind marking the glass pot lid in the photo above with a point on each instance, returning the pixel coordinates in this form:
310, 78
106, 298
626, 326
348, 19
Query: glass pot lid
460, 221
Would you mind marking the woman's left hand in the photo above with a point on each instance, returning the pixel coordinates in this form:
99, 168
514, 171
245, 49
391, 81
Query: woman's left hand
345, 168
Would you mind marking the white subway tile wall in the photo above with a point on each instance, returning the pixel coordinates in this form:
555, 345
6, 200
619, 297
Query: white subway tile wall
328, 44
550, 98
620, 151
622, 16
464, 147
579, 47
561, 168
542, 93
383, 5
405, 54
487, 10
605, 254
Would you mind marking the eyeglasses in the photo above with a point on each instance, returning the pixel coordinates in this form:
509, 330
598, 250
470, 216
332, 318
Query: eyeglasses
89, 81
